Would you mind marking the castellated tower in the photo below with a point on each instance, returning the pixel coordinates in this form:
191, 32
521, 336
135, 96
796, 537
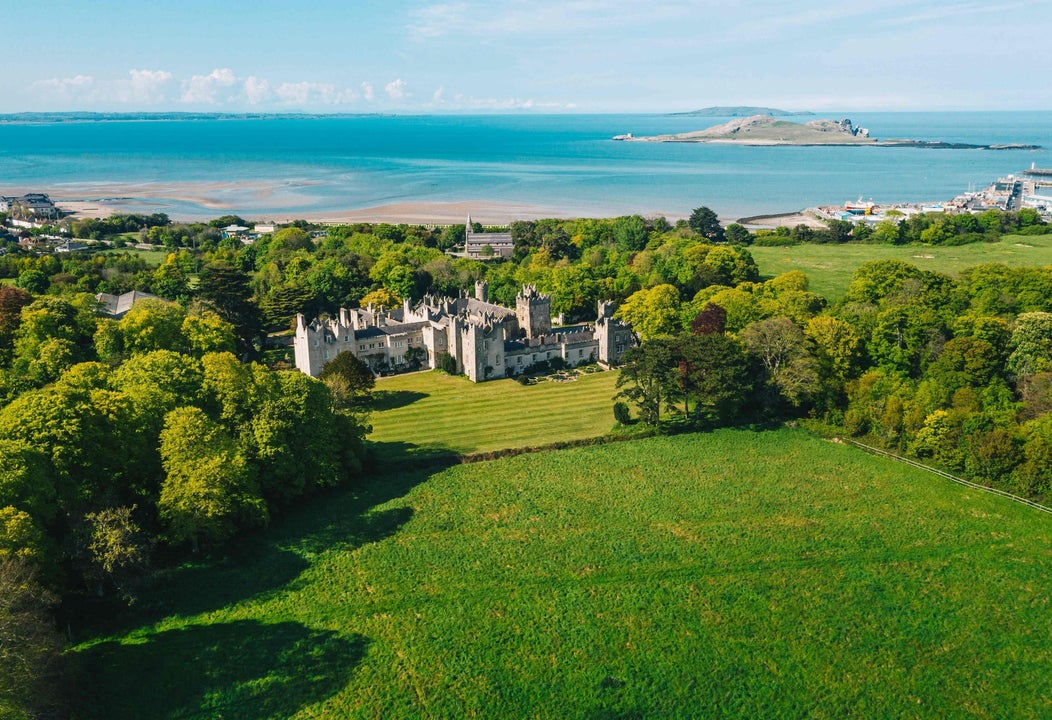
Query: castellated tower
533, 311
613, 336
482, 291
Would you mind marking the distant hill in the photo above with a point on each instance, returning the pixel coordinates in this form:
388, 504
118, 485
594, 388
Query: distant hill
740, 111
67, 117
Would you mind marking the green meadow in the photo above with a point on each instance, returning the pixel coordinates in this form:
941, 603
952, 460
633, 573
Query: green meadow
153, 258
434, 413
731, 574
830, 267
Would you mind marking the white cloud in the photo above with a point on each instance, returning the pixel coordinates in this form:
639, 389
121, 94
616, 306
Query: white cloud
257, 90
80, 88
436, 99
395, 90
311, 93
220, 89
212, 89
146, 87
467, 102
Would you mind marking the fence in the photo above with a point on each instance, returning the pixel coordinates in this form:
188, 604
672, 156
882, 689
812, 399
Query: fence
948, 476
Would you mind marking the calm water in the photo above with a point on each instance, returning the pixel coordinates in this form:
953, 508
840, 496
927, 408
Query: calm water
566, 163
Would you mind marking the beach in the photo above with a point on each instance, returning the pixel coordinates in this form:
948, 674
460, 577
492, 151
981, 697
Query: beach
197, 201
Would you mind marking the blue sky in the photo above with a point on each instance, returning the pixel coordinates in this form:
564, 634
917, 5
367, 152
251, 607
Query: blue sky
536, 55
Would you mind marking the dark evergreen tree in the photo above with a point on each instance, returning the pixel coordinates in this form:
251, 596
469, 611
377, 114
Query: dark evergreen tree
226, 290
704, 222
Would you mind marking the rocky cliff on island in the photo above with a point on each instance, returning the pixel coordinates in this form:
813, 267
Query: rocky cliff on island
767, 130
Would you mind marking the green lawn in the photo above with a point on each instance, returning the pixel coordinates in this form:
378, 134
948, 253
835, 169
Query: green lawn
153, 258
830, 267
431, 412
732, 574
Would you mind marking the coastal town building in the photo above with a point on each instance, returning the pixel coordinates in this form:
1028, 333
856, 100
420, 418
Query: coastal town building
117, 306
31, 206
485, 340
486, 245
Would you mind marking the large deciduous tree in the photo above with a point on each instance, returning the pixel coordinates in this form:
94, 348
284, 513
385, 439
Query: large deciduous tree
653, 312
789, 370
209, 491
349, 379
1031, 344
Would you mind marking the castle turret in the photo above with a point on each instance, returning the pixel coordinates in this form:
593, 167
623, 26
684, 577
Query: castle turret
482, 291
613, 336
533, 311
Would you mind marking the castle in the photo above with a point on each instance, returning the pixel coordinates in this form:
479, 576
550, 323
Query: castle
486, 341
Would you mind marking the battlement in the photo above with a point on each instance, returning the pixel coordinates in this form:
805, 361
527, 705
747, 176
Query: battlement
482, 337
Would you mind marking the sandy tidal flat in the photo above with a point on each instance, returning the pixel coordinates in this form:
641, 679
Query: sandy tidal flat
196, 201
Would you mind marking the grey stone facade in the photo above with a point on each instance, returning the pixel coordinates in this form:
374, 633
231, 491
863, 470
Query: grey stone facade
487, 341
500, 245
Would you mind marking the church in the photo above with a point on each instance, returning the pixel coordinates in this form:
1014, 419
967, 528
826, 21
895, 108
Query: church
487, 341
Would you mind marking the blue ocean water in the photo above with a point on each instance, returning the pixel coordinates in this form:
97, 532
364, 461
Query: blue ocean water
567, 163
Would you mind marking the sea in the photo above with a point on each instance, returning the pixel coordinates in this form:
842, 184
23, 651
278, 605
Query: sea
563, 164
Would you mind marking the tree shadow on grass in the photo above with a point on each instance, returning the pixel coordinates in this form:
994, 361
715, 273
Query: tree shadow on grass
394, 457
247, 668
263, 563
242, 669
391, 399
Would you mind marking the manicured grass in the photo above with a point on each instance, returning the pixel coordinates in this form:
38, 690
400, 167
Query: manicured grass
153, 258
830, 267
432, 412
732, 574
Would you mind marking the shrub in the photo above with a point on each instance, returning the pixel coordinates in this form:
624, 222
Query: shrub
447, 364
621, 413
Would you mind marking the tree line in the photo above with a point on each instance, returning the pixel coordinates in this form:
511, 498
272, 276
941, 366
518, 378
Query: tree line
953, 371
123, 437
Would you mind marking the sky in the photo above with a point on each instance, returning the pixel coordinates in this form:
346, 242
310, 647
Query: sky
550, 56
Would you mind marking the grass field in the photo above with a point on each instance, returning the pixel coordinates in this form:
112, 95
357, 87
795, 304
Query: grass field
732, 574
153, 258
452, 414
830, 267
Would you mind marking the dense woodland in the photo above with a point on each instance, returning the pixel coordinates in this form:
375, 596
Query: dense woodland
166, 432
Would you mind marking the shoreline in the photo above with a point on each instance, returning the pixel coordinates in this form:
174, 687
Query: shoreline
198, 201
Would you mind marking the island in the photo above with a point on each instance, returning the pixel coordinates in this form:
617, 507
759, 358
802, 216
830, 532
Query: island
768, 130
723, 111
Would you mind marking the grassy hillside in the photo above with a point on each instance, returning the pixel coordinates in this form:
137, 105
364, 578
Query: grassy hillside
830, 267
731, 574
434, 413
